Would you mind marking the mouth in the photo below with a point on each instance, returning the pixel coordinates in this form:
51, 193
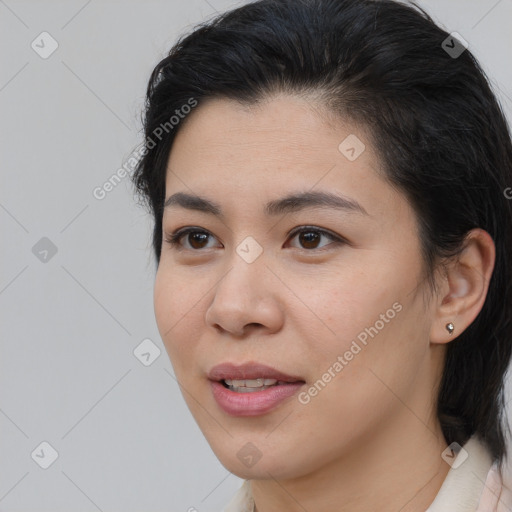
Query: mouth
251, 389
251, 385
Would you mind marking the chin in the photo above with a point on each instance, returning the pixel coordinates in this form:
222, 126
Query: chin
277, 465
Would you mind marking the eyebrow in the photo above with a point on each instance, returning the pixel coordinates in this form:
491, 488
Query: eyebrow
291, 203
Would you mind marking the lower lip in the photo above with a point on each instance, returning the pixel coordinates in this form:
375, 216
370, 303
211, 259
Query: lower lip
255, 402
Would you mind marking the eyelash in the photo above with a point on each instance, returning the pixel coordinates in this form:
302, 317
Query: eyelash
173, 239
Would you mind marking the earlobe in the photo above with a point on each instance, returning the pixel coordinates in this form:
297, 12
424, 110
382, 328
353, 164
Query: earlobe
465, 286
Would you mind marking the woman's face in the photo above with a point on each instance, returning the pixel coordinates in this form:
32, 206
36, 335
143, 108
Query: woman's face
337, 306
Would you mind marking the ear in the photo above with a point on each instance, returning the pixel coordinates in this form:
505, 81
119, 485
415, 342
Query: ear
463, 288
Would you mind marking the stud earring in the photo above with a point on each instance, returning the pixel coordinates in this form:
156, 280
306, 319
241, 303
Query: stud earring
450, 327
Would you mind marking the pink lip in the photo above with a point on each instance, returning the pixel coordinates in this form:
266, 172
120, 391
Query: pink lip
256, 402
249, 371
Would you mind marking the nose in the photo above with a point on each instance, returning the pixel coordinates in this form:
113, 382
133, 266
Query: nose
246, 299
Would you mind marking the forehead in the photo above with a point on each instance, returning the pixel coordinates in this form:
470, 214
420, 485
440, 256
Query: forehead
283, 125
284, 133
251, 153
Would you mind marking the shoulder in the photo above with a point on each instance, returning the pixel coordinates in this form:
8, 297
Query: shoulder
496, 497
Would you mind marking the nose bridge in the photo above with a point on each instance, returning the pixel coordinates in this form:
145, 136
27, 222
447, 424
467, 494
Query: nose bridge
250, 250
242, 296
244, 277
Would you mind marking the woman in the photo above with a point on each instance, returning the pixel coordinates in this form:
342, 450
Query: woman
328, 180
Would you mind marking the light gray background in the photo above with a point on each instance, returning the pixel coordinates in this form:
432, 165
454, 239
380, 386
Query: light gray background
68, 375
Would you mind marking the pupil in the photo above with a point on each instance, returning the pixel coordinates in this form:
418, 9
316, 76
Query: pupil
195, 236
306, 238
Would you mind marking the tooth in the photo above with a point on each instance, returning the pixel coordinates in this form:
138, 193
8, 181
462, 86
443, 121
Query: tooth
250, 383
248, 390
253, 383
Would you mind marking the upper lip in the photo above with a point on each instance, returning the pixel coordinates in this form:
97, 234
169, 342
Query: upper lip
250, 370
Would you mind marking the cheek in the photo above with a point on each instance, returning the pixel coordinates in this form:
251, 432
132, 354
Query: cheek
177, 312
372, 321
164, 300
349, 303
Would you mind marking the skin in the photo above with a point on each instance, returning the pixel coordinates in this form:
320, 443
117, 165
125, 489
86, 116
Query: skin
370, 440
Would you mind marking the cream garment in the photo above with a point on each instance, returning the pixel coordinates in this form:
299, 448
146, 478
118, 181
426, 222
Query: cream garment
463, 489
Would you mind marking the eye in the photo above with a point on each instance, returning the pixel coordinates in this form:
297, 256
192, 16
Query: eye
310, 236
197, 239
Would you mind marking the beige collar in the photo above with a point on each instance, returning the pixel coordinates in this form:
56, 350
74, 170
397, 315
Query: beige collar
463, 485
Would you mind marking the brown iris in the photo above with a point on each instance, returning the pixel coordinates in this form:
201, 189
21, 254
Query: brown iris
309, 239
